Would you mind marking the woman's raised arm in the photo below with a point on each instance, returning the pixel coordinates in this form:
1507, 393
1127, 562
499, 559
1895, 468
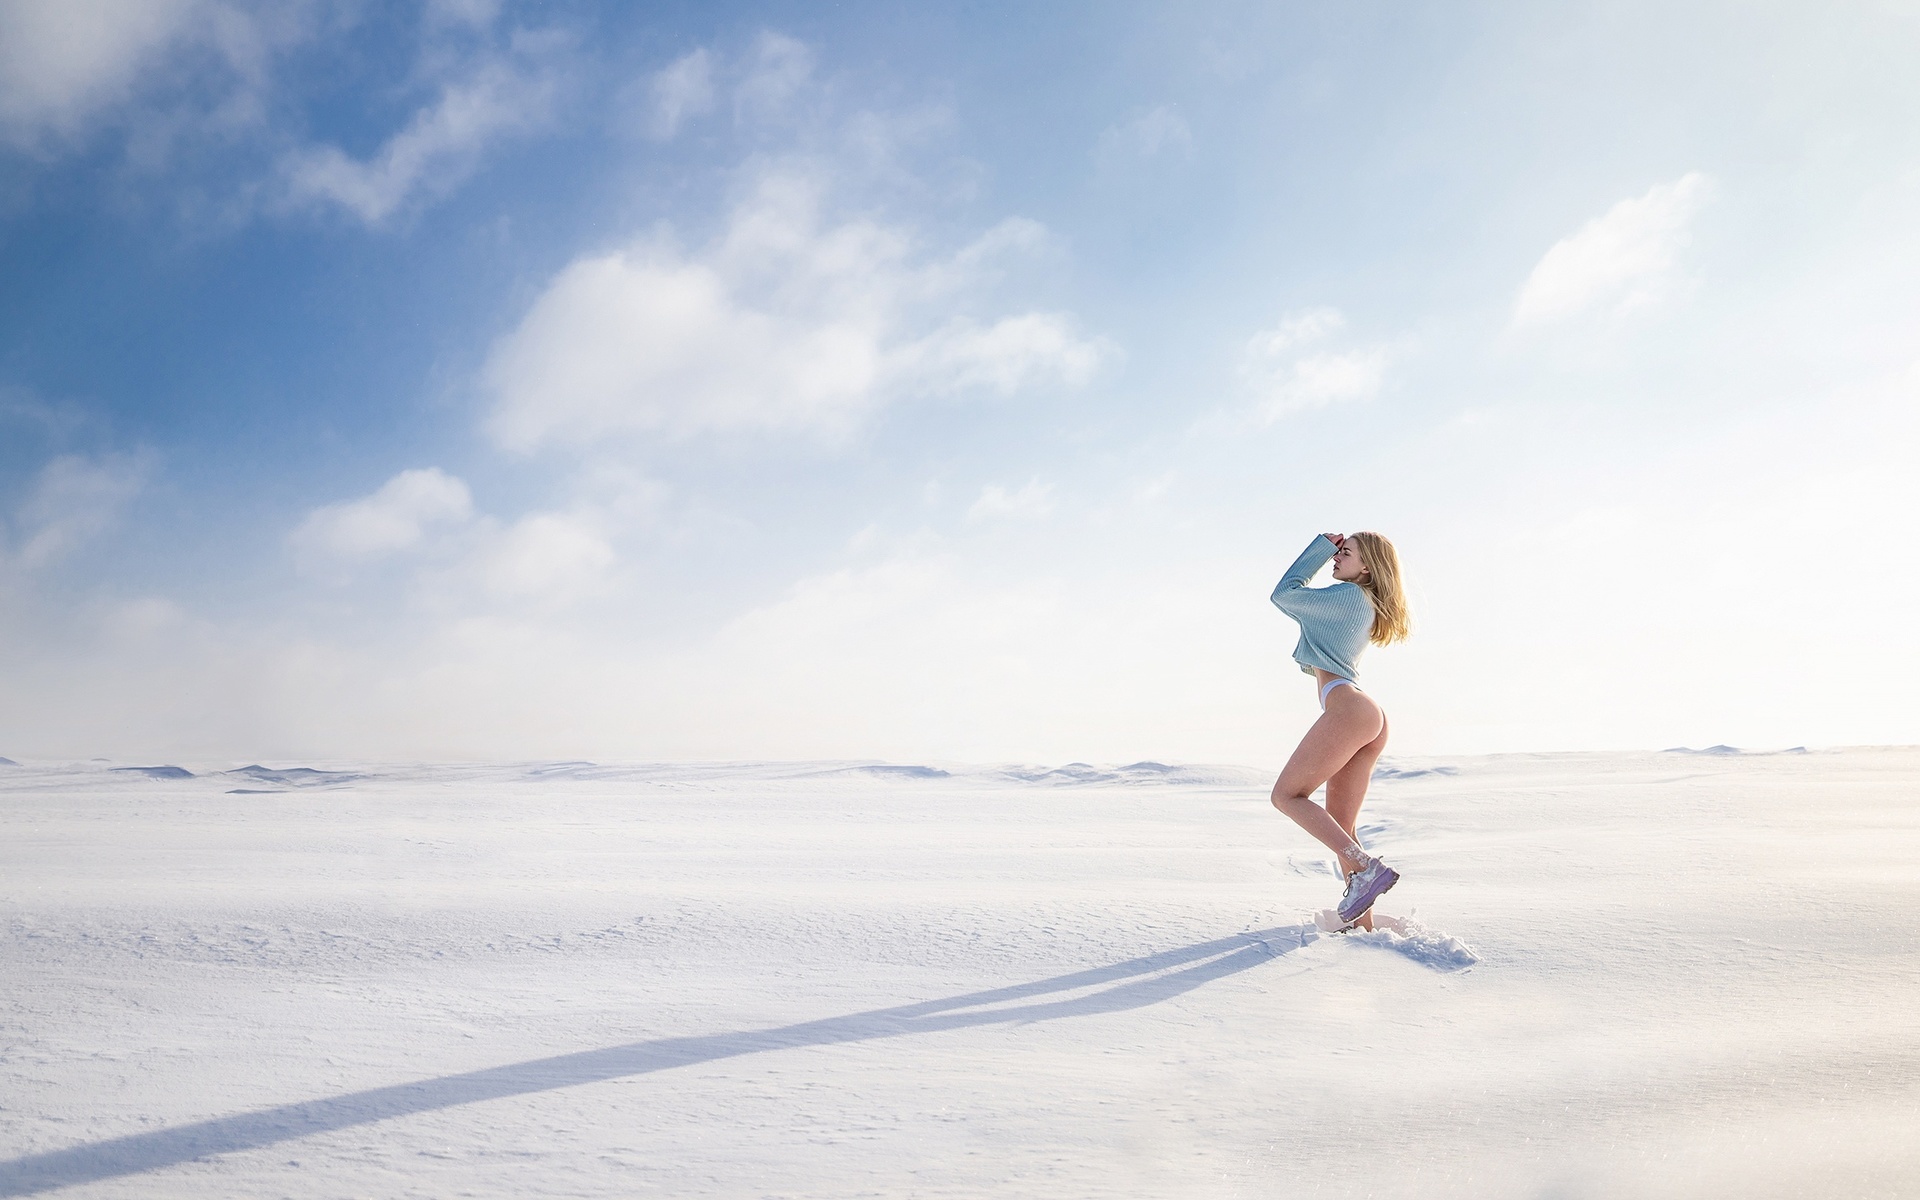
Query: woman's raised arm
1292, 595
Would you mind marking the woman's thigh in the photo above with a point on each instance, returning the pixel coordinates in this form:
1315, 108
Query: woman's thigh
1342, 731
1347, 787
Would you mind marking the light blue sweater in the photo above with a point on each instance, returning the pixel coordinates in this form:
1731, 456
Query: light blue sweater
1334, 621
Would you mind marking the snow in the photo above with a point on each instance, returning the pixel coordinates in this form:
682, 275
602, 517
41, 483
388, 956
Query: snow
1602, 974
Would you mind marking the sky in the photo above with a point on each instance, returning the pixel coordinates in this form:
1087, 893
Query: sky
949, 382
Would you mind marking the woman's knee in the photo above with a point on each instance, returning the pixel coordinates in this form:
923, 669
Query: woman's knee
1286, 796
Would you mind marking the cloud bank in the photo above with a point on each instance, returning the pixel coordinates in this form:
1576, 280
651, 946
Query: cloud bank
439, 148
74, 500
1621, 260
1290, 368
787, 322
396, 518
63, 61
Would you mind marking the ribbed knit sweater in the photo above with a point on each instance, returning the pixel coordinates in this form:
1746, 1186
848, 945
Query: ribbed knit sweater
1334, 621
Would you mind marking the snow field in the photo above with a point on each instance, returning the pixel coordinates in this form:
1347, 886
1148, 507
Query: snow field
1648, 974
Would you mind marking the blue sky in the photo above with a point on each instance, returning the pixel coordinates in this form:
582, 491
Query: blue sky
476, 379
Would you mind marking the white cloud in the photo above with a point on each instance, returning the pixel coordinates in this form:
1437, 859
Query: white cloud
69, 65
1321, 379
643, 341
437, 150
479, 13
855, 647
62, 61
784, 323
1033, 500
395, 518
1015, 235
1011, 354
464, 561
142, 618
1027, 667
57, 421
1621, 260
74, 500
683, 89
1295, 330
547, 556
777, 71
1147, 135
767, 85
1287, 374
162, 68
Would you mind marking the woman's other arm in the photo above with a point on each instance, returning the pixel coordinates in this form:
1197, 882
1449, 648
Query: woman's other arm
1292, 594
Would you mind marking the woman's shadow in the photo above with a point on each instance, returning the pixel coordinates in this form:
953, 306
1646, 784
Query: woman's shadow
1135, 983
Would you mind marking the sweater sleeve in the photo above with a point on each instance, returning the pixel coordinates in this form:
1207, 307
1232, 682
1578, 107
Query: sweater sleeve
1292, 595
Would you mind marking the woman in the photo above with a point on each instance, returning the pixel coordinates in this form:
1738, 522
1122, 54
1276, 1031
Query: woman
1364, 604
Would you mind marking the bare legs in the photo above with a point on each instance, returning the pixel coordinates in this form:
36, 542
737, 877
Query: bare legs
1347, 790
1347, 787
1339, 751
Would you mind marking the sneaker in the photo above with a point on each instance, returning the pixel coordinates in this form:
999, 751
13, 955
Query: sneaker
1364, 887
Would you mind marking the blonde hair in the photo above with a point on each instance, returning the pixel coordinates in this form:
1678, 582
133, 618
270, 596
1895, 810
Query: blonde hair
1391, 620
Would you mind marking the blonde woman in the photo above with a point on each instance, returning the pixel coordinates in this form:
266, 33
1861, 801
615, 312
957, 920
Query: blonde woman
1365, 604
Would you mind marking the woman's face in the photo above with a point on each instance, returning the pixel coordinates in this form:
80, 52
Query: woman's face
1347, 564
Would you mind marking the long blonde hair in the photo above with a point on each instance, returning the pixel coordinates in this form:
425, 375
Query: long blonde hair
1391, 620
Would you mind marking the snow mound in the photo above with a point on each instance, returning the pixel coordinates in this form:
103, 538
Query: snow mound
299, 777
573, 767
1406, 937
156, 772
1727, 751
7, 762
1145, 772
1412, 772
892, 771
1074, 772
